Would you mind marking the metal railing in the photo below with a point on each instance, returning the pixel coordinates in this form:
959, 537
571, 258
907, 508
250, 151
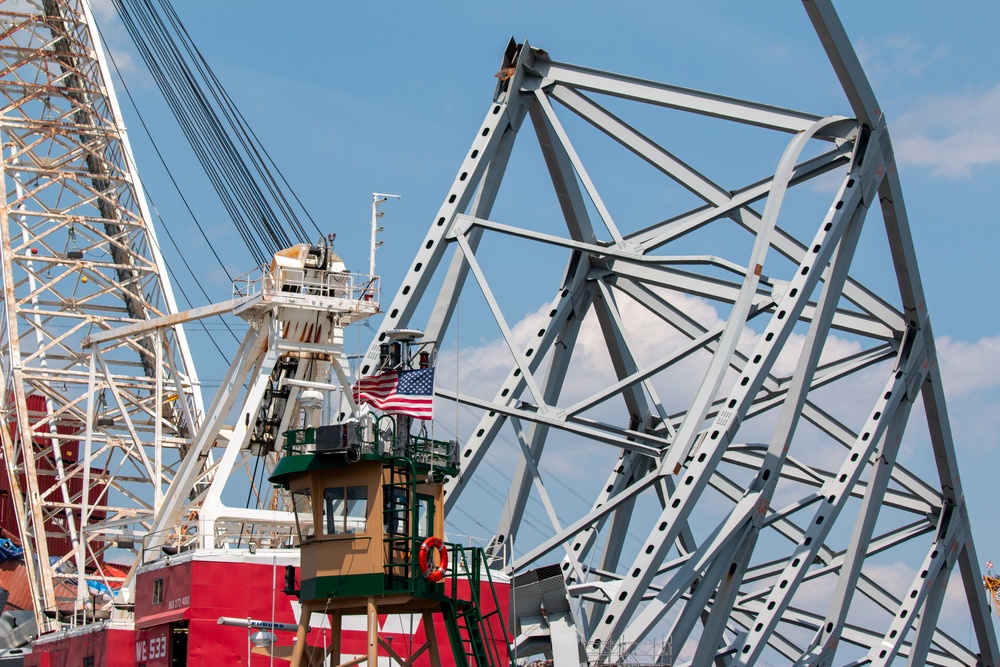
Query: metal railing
229, 534
314, 282
471, 564
380, 438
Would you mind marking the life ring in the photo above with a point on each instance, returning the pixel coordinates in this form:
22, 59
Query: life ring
431, 572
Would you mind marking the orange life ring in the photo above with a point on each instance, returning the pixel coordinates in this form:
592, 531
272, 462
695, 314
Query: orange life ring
431, 572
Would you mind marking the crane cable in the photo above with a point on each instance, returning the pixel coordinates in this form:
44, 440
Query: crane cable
166, 228
255, 194
196, 124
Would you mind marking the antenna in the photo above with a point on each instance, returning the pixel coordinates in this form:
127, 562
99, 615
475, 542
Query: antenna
377, 199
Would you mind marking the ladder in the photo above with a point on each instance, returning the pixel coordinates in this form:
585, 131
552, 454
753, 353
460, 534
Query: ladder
398, 511
472, 635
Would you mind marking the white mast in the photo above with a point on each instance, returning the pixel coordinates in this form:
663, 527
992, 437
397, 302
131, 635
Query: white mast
377, 198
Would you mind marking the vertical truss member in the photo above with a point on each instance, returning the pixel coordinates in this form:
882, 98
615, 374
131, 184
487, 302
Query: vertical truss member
90, 434
753, 490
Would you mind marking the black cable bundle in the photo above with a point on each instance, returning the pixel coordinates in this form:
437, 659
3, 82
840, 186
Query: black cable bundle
256, 195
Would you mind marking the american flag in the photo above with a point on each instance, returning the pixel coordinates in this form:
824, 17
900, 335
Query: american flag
989, 565
399, 392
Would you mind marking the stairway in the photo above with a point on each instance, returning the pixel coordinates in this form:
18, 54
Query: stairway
473, 638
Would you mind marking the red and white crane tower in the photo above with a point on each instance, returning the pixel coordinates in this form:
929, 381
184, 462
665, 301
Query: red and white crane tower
92, 428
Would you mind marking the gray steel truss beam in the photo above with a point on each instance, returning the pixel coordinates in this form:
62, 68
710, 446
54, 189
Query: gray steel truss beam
862, 98
718, 106
720, 433
716, 327
560, 167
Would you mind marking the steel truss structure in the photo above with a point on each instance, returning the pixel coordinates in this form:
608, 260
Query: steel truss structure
93, 426
751, 513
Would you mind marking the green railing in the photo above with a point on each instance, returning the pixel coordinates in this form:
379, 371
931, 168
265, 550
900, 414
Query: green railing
471, 562
472, 634
380, 439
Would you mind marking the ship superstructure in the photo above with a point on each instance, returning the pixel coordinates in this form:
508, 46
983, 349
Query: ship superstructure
368, 498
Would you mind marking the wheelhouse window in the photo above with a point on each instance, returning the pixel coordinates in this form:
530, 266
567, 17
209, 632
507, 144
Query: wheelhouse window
345, 510
425, 516
302, 502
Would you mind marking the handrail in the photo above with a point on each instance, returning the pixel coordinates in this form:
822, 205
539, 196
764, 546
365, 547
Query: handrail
381, 439
265, 280
467, 563
474, 575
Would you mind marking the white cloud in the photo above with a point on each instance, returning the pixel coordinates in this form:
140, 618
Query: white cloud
968, 367
103, 9
970, 372
484, 366
952, 135
896, 54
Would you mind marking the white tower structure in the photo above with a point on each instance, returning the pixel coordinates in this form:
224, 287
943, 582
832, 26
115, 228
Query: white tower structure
91, 432
297, 309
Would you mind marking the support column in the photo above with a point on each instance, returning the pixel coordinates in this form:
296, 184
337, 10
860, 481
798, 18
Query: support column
334, 649
432, 642
300, 635
372, 633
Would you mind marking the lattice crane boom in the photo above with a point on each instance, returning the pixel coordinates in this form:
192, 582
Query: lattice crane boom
89, 439
107, 442
991, 583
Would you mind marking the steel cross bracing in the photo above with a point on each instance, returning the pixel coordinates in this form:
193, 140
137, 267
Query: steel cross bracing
750, 507
92, 430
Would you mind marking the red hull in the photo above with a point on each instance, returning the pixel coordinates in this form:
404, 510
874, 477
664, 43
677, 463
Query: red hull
47, 483
179, 602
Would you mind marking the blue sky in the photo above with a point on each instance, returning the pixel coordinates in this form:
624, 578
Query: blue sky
352, 98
